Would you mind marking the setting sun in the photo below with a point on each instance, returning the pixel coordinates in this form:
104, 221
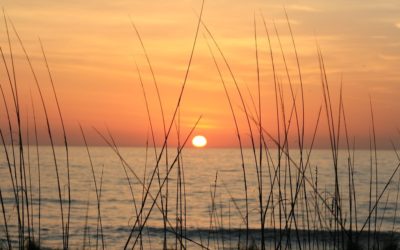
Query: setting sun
199, 141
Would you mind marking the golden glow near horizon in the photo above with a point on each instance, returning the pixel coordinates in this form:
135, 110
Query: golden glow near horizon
92, 52
199, 141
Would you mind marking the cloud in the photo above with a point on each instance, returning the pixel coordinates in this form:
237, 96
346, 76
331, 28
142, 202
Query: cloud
389, 57
397, 25
303, 8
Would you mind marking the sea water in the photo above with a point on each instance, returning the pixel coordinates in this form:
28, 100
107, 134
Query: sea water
208, 201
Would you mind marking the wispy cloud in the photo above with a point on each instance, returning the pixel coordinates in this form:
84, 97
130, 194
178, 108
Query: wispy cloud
304, 8
389, 57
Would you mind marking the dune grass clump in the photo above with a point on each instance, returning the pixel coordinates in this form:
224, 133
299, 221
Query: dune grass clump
294, 210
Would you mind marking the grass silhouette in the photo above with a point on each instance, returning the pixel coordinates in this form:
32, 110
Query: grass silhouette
289, 194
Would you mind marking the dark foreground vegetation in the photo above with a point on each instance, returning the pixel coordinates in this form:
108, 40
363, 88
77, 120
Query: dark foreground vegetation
303, 215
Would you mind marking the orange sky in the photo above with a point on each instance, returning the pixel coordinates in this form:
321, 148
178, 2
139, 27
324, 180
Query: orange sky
92, 50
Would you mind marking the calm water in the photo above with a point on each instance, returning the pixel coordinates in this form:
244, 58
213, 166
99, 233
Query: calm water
209, 175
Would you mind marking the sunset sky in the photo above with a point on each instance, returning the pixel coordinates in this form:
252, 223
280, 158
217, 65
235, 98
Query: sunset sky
92, 50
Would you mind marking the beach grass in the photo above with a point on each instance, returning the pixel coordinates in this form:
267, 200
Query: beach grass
290, 197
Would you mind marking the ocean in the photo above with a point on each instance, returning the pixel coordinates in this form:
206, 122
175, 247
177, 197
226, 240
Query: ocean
206, 195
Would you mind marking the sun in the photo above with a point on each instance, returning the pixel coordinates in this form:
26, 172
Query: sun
199, 141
